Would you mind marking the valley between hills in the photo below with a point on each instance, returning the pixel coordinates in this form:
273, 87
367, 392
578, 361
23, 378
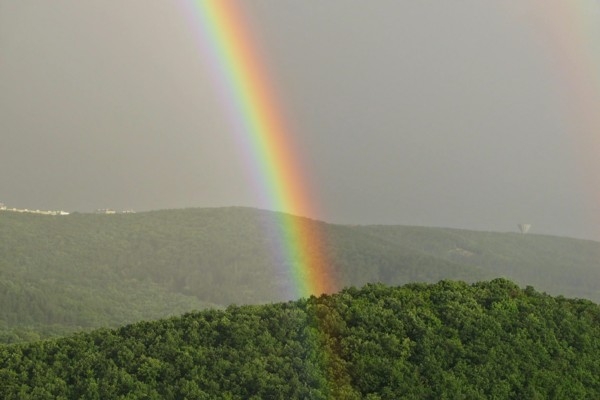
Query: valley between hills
61, 275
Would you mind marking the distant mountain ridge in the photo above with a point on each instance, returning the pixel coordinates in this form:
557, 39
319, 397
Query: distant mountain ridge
80, 271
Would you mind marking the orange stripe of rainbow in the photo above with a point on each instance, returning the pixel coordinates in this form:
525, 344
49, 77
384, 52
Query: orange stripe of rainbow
256, 115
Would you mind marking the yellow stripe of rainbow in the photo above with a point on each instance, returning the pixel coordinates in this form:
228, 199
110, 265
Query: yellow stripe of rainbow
257, 117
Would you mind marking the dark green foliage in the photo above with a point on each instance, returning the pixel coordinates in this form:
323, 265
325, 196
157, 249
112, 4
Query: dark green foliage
449, 340
69, 273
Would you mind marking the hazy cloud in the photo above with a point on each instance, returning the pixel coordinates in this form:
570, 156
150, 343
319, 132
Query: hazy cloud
433, 113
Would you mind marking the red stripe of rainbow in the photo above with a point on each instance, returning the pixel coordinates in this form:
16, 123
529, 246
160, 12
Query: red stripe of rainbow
570, 31
257, 118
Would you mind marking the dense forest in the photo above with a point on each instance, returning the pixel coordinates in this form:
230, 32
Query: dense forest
61, 274
450, 340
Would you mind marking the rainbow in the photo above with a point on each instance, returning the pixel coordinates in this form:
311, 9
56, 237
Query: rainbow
567, 34
258, 120
569, 31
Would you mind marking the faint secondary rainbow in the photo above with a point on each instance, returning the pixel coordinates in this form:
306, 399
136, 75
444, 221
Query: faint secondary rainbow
570, 32
258, 121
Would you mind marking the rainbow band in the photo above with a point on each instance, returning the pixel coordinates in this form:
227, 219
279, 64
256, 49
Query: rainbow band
570, 32
257, 119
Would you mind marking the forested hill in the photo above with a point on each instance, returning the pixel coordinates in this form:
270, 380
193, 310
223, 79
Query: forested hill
60, 274
449, 340
558, 265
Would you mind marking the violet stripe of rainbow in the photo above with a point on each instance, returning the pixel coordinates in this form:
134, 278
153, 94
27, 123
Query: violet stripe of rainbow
257, 118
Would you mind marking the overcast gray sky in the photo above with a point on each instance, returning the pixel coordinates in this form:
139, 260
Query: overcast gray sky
442, 113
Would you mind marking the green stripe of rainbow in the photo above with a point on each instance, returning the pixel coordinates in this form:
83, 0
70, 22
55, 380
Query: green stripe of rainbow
256, 115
